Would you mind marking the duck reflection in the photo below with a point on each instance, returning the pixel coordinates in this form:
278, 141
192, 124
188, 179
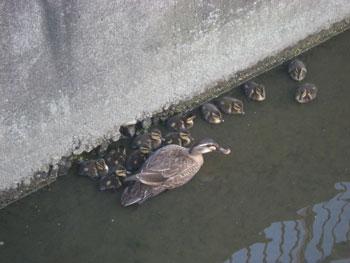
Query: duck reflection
309, 239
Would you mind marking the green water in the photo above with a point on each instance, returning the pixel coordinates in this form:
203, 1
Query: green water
243, 207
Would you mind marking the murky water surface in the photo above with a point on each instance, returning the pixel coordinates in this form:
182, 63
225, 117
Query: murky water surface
283, 195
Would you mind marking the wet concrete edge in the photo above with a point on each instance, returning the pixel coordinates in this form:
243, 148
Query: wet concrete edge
43, 178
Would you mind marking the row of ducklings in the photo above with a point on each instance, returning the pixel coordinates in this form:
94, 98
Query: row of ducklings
116, 164
212, 112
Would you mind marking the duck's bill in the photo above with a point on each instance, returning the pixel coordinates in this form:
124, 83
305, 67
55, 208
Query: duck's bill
224, 151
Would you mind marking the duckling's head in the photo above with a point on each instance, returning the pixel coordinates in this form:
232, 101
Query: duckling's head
189, 121
186, 137
297, 70
176, 123
156, 135
207, 145
306, 93
237, 107
215, 118
101, 167
145, 149
121, 149
120, 171
258, 93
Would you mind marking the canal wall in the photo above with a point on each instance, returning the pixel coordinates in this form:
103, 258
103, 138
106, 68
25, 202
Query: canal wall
71, 72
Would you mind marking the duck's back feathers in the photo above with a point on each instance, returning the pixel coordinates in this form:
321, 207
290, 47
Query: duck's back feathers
165, 164
138, 193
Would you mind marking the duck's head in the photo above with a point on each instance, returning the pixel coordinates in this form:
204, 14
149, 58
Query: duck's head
207, 145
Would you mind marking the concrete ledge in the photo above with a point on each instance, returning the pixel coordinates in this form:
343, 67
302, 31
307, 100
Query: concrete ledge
72, 73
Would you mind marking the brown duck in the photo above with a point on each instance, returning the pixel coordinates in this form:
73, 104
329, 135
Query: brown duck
169, 167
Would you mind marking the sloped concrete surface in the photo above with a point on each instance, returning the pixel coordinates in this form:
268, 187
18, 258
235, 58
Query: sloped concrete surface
72, 71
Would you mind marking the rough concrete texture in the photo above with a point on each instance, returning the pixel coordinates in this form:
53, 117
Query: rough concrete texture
72, 71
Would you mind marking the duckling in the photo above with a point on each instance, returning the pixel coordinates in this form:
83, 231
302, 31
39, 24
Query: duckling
230, 105
306, 93
169, 167
102, 167
189, 121
136, 158
182, 138
156, 138
254, 91
176, 123
93, 169
297, 70
211, 113
142, 139
115, 157
152, 139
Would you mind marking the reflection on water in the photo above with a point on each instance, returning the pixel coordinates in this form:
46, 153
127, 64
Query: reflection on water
308, 239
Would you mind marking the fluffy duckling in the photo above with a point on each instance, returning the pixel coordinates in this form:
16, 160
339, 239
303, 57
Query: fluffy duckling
113, 181
306, 93
136, 158
182, 138
142, 139
115, 157
93, 169
297, 70
211, 113
254, 91
189, 121
176, 123
169, 167
230, 105
110, 182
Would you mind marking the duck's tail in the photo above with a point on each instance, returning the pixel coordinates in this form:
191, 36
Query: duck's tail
139, 193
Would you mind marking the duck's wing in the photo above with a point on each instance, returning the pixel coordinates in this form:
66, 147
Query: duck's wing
167, 162
139, 193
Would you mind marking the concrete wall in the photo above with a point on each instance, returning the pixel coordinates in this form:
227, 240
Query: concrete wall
72, 71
